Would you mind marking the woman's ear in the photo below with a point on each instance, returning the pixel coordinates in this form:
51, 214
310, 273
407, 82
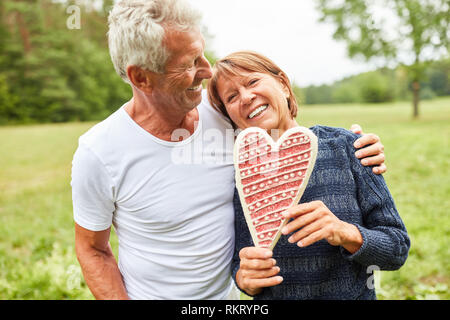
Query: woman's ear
286, 92
289, 94
284, 83
140, 78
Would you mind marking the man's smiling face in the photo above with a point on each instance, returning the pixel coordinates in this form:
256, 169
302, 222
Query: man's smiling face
180, 86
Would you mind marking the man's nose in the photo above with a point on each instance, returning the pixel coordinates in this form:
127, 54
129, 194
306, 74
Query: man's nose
204, 69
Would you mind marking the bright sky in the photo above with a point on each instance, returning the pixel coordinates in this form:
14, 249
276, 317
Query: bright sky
286, 31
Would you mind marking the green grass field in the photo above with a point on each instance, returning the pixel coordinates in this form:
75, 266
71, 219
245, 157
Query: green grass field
37, 259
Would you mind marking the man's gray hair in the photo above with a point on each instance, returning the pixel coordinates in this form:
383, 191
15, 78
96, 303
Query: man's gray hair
136, 32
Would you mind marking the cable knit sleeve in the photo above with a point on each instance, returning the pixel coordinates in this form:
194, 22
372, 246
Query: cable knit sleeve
385, 239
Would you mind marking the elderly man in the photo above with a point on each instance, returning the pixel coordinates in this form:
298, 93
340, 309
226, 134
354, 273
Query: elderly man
174, 219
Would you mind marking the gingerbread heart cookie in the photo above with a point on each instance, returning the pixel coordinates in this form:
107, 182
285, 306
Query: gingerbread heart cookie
271, 177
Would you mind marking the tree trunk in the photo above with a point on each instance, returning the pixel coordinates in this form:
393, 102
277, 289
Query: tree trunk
24, 33
416, 97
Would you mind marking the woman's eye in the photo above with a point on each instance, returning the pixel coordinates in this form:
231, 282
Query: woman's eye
231, 98
252, 81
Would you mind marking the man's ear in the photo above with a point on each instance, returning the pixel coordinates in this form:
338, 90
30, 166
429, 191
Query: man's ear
140, 78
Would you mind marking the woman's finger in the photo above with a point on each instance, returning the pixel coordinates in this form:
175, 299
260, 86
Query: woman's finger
311, 238
300, 222
257, 264
305, 231
255, 253
262, 283
301, 209
260, 274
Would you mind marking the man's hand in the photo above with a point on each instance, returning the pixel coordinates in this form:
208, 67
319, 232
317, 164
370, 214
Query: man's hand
316, 222
373, 152
257, 270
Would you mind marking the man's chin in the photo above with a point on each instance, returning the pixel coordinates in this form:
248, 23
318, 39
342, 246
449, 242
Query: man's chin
196, 101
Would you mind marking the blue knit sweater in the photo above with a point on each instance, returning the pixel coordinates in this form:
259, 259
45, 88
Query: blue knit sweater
355, 195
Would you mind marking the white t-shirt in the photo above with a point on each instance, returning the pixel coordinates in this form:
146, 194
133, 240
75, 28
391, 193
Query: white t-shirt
170, 203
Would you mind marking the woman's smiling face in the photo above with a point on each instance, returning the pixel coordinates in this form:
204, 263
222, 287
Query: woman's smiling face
255, 99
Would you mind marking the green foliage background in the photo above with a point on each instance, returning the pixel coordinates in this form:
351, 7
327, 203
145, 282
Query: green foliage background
49, 73
382, 85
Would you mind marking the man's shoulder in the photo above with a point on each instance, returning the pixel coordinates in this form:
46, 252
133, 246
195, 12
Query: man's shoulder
102, 132
212, 114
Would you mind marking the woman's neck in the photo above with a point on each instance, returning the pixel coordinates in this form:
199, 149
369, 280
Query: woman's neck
278, 132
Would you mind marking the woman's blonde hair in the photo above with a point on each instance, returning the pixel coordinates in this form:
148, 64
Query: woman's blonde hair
248, 61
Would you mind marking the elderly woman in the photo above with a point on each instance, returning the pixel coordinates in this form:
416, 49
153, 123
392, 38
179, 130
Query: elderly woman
346, 224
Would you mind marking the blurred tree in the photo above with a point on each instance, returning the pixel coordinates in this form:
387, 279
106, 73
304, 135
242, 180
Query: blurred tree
392, 31
346, 91
299, 94
375, 87
51, 73
382, 85
318, 94
439, 76
8, 103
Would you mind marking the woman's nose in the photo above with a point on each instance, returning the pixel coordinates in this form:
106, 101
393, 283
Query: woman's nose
247, 96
